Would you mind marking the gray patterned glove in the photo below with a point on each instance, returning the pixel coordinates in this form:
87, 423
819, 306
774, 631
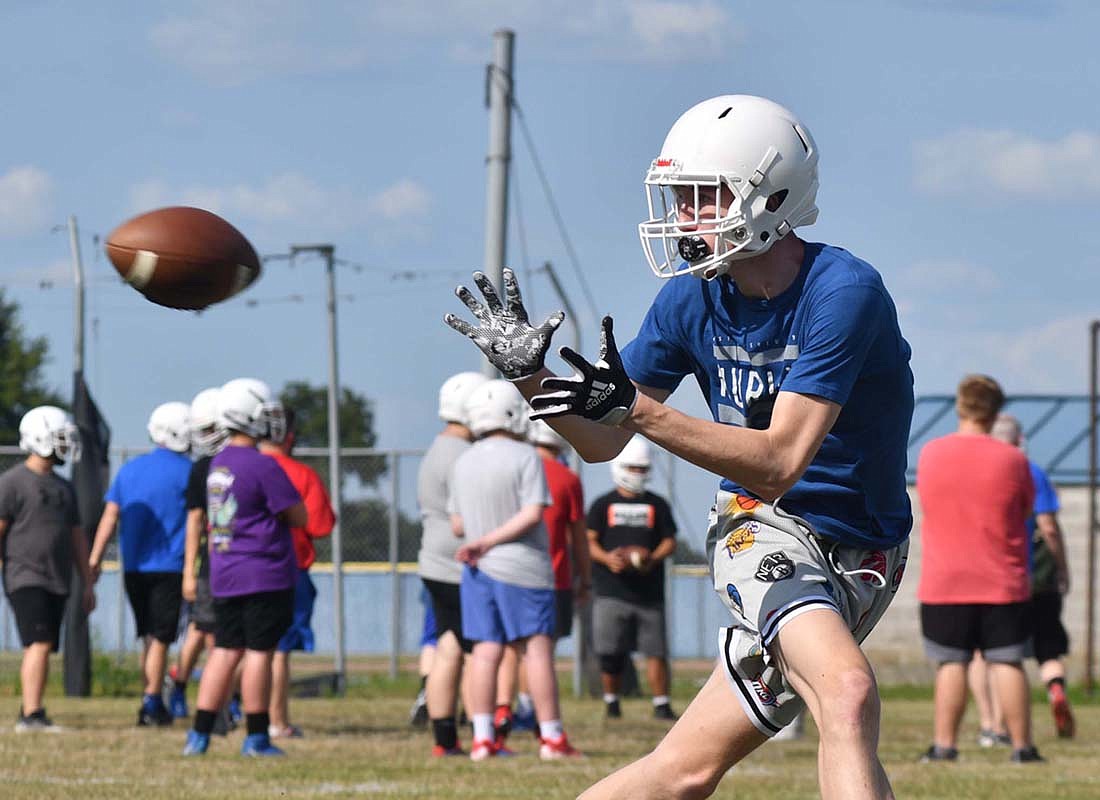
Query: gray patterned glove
505, 335
601, 392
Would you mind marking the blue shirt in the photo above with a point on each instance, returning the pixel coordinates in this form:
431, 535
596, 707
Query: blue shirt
149, 491
1046, 502
833, 334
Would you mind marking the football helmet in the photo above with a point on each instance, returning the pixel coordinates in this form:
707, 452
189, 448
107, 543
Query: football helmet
49, 431
246, 405
496, 406
170, 426
635, 454
540, 433
453, 394
750, 151
207, 435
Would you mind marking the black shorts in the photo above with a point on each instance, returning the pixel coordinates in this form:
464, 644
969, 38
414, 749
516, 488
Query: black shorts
952, 632
447, 608
155, 598
253, 621
563, 607
38, 615
1049, 639
202, 610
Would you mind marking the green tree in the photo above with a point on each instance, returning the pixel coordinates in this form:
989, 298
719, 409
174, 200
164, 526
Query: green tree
310, 405
22, 386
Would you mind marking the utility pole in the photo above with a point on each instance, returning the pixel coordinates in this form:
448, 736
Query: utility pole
498, 98
1090, 580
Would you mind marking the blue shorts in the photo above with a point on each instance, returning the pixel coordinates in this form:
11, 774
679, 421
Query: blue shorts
427, 634
299, 636
494, 611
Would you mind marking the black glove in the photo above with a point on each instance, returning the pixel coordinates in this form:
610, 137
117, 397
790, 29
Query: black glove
505, 335
600, 391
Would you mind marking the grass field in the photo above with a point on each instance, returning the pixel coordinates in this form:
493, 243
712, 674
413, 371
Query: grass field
361, 745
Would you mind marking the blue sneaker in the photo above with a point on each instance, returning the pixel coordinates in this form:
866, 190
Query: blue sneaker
524, 720
259, 744
235, 712
196, 743
177, 703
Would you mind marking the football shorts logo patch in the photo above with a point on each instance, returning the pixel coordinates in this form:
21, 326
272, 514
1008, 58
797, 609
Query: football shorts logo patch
898, 573
742, 538
743, 504
875, 561
735, 598
774, 567
764, 694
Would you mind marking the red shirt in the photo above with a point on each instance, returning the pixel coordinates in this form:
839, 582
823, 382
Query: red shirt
321, 519
976, 495
567, 507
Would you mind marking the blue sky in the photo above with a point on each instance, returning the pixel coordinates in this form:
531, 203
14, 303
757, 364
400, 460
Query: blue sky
960, 154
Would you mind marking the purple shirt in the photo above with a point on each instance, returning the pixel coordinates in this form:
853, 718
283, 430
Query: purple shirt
251, 549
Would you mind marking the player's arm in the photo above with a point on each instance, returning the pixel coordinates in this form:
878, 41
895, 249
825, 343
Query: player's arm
1051, 531
83, 564
514, 527
3, 527
582, 563
322, 519
196, 521
612, 559
296, 516
108, 523
663, 550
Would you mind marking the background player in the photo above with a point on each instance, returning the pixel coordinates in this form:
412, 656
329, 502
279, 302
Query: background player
146, 500
40, 541
797, 350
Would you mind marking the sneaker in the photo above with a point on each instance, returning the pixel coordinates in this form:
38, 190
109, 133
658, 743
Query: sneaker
36, 722
177, 703
502, 722
234, 708
482, 749
286, 732
988, 738
524, 720
154, 717
554, 749
1026, 755
1059, 706
664, 711
937, 753
258, 745
439, 751
418, 715
197, 743
613, 710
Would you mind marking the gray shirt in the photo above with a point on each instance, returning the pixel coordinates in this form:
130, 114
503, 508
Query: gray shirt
37, 547
490, 483
433, 487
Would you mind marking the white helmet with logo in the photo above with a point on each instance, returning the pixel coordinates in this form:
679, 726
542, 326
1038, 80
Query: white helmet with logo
496, 406
170, 426
635, 454
753, 151
453, 394
246, 405
542, 434
49, 431
207, 436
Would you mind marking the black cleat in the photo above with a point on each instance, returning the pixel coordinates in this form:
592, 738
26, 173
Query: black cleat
614, 711
664, 711
936, 753
154, 718
1026, 755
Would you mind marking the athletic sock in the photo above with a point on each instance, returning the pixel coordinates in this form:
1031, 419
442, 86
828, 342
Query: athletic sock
204, 721
181, 686
610, 698
423, 682
257, 723
551, 730
483, 727
445, 732
660, 700
1056, 682
524, 704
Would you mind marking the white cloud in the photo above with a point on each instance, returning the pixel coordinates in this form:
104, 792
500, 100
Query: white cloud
406, 198
661, 25
1008, 162
26, 200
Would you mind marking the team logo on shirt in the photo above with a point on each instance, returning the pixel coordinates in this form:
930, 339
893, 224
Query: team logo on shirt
742, 504
742, 538
221, 508
631, 515
735, 598
763, 693
774, 567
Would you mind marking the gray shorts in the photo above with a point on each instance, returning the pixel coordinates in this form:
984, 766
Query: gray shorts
769, 568
620, 628
202, 610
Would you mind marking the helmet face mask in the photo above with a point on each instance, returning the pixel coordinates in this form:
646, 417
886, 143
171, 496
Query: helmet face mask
630, 468
246, 406
207, 436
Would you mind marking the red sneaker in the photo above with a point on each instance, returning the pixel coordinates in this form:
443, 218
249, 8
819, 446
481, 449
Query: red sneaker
1059, 706
502, 722
439, 751
554, 749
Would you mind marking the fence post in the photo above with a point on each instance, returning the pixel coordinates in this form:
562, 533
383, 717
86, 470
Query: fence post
120, 589
395, 576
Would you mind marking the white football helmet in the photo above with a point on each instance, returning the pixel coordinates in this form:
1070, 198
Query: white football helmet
540, 433
207, 435
247, 405
635, 454
453, 394
170, 426
49, 431
748, 150
496, 406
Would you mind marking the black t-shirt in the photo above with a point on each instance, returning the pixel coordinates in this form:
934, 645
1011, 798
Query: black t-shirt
619, 521
196, 498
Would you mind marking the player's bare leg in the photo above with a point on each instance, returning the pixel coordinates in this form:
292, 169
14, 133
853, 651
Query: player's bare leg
507, 674
256, 681
444, 677
32, 675
949, 699
1010, 687
657, 675
977, 678
541, 678
217, 678
711, 736
156, 658
482, 688
825, 666
192, 648
279, 708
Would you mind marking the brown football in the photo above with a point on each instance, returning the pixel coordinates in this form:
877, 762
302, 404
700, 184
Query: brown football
183, 257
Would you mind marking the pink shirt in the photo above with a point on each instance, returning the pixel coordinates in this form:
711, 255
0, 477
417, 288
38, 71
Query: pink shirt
976, 495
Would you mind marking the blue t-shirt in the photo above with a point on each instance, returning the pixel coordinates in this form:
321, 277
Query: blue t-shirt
1040, 561
149, 491
833, 334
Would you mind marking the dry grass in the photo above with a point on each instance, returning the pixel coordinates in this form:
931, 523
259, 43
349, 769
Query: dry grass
362, 746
